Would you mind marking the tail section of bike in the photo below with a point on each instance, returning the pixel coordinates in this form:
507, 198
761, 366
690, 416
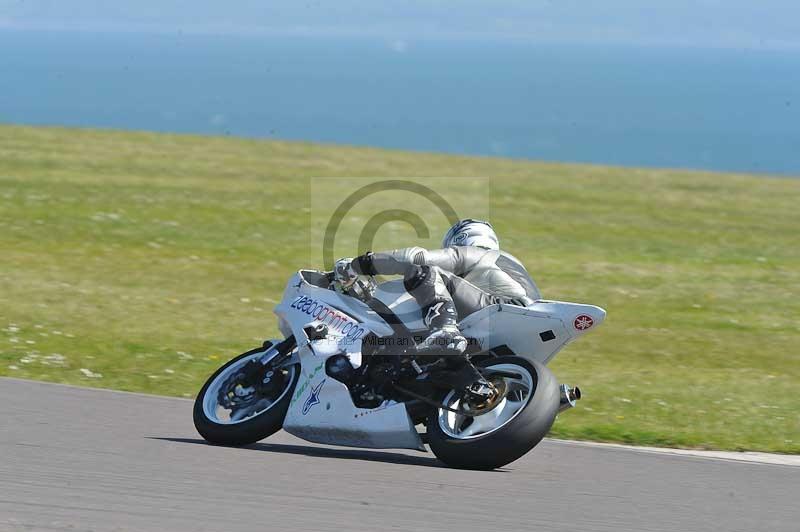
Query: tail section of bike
537, 332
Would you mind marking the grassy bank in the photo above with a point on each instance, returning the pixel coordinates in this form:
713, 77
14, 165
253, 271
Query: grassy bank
140, 261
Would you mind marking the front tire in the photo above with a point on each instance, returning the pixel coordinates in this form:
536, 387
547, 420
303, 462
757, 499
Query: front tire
512, 428
262, 423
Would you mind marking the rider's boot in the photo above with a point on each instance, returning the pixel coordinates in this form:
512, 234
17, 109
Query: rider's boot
444, 332
438, 310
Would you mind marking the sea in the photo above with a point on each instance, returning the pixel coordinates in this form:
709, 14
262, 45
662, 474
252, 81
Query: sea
680, 107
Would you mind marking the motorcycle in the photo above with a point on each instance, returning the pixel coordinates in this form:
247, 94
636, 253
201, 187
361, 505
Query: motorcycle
351, 371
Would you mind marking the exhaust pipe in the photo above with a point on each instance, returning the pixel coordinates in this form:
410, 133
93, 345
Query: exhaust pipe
569, 396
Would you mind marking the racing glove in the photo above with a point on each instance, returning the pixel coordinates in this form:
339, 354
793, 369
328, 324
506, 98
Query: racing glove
344, 273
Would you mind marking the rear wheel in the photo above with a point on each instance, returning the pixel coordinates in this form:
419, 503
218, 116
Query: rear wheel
495, 433
246, 400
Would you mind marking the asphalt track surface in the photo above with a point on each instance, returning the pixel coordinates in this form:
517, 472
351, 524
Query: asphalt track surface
81, 459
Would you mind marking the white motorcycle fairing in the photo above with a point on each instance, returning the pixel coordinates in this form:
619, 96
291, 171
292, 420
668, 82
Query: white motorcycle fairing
321, 409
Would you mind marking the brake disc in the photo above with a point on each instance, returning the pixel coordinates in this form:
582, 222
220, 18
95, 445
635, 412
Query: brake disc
477, 404
240, 389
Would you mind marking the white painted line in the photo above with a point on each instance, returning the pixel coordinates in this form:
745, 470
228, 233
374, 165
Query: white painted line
744, 456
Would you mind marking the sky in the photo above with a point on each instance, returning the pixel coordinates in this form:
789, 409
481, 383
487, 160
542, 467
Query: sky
749, 24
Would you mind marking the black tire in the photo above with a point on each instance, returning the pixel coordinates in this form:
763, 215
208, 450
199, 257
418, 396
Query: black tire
511, 441
252, 430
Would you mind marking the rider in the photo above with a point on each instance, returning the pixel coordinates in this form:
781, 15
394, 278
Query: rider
468, 274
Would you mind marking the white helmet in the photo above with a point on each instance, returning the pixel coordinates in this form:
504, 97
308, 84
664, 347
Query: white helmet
471, 232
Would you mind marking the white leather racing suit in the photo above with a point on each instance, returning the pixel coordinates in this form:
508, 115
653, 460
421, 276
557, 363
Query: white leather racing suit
452, 283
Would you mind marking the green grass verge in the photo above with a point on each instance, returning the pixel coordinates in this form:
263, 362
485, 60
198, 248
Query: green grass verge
141, 261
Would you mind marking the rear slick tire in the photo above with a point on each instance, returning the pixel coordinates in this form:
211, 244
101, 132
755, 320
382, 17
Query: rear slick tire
521, 433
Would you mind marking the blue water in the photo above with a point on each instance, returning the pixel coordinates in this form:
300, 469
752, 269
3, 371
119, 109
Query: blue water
713, 109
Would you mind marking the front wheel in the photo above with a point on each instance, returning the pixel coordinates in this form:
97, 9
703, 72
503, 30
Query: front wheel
246, 400
489, 436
